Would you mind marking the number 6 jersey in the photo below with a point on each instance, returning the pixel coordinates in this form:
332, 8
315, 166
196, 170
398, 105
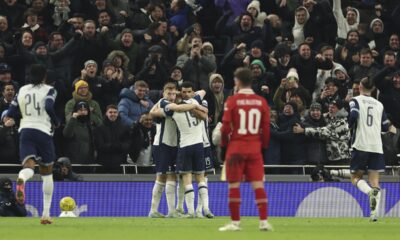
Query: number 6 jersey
246, 121
368, 115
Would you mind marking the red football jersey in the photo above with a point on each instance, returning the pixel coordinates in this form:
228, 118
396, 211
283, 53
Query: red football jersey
245, 124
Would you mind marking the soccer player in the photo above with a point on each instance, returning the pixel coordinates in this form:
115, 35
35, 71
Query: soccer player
368, 120
191, 151
35, 103
165, 148
244, 132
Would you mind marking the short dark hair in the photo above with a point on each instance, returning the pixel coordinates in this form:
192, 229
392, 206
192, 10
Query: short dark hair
3, 85
141, 83
244, 76
111, 106
38, 73
389, 53
187, 85
367, 83
366, 51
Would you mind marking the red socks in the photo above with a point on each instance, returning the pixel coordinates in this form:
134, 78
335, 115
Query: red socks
262, 203
234, 203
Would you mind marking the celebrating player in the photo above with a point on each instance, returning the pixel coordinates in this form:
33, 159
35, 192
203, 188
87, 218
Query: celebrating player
368, 120
35, 102
165, 150
246, 121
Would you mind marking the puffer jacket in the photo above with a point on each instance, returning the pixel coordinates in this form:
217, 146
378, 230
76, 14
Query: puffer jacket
337, 136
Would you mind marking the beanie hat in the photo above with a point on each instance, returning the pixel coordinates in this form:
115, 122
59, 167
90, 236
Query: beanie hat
260, 64
254, 4
315, 105
208, 44
339, 103
107, 63
39, 44
81, 105
90, 62
257, 44
293, 73
376, 20
3, 114
79, 84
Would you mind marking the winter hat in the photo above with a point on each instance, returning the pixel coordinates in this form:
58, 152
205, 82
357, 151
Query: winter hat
208, 44
3, 114
260, 64
257, 44
292, 74
315, 105
155, 49
376, 20
281, 50
81, 105
88, 62
107, 63
254, 4
39, 44
4, 68
339, 103
79, 84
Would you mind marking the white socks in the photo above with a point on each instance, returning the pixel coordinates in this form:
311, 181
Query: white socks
25, 174
170, 194
343, 173
158, 189
363, 186
181, 194
189, 198
203, 197
48, 187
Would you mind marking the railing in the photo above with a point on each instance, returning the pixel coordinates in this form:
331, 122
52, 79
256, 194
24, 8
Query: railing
393, 168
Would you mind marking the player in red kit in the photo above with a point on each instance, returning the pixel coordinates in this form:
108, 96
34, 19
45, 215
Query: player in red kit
244, 132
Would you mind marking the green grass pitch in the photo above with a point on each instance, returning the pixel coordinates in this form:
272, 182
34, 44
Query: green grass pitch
193, 229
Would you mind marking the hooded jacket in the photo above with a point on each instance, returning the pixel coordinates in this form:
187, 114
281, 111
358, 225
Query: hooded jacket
215, 101
8, 204
343, 26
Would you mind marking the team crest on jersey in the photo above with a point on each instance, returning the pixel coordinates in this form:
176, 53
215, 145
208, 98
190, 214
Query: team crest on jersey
352, 104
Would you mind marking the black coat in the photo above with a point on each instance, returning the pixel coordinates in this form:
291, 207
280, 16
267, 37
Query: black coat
8, 204
141, 138
9, 144
112, 143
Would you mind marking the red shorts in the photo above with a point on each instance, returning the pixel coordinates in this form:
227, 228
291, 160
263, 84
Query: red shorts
249, 167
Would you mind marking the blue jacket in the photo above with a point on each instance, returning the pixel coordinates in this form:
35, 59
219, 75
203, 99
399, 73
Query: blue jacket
129, 106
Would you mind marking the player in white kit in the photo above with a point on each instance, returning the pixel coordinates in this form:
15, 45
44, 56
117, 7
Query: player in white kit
368, 120
35, 103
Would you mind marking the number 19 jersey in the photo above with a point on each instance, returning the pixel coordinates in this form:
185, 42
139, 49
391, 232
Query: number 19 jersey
246, 120
31, 100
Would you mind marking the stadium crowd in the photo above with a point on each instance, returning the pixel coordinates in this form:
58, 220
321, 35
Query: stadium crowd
109, 60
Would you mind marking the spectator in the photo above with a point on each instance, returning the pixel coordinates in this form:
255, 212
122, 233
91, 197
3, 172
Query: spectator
7, 95
61, 12
142, 135
179, 15
134, 102
304, 29
232, 60
272, 156
378, 36
31, 23
69, 27
196, 67
345, 24
80, 94
9, 140
78, 133
262, 80
140, 18
366, 68
315, 148
215, 97
112, 142
185, 43
9, 207
62, 171
14, 11
176, 76
336, 133
254, 9
329, 93
6, 35
155, 70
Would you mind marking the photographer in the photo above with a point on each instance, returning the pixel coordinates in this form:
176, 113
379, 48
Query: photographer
9, 207
62, 170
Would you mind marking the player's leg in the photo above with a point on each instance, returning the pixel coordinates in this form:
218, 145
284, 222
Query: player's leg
234, 172
157, 192
376, 164
358, 166
181, 195
48, 186
170, 189
28, 155
47, 153
203, 196
189, 193
254, 172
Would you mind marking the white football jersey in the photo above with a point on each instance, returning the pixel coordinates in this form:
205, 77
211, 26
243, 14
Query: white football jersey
31, 100
369, 123
166, 132
190, 128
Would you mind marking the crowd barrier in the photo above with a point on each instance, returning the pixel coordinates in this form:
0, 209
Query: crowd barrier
286, 199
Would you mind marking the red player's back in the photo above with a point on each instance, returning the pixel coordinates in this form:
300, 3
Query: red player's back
246, 119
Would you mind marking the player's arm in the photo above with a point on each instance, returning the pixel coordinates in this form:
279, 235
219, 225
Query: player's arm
354, 112
181, 107
156, 111
226, 128
385, 122
201, 94
265, 124
49, 106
